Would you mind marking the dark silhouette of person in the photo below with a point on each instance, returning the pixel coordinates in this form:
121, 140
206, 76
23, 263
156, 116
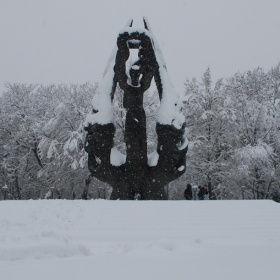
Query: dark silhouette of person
202, 192
188, 192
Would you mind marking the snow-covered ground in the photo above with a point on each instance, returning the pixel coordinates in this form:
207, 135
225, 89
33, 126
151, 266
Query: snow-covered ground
97, 239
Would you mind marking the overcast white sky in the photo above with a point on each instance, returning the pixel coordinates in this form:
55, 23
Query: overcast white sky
60, 41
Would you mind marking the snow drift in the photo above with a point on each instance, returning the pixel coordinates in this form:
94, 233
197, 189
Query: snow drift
97, 239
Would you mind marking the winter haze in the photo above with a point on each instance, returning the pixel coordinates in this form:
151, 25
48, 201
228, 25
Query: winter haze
70, 41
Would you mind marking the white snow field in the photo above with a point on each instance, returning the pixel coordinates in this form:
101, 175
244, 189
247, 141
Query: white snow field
98, 239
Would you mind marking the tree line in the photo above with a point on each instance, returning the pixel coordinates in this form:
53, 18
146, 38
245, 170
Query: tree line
232, 127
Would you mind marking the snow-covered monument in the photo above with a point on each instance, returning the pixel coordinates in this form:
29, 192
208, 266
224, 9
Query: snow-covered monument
132, 176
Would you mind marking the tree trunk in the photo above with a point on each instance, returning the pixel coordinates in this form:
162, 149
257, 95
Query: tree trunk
212, 195
85, 189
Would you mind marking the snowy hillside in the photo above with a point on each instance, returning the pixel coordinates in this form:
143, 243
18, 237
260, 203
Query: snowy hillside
97, 239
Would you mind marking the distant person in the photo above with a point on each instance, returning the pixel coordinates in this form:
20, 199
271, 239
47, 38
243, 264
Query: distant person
202, 192
188, 192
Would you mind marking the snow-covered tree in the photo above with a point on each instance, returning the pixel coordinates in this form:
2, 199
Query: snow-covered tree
42, 137
209, 115
21, 119
256, 154
62, 142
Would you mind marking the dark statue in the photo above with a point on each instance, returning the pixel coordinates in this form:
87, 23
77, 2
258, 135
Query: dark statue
135, 178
